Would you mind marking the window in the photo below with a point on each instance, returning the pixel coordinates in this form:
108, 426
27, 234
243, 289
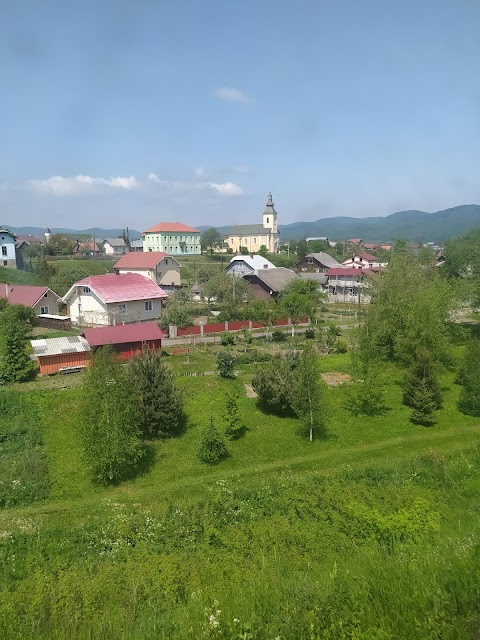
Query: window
309, 260
5, 263
166, 260
44, 310
45, 295
121, 309
4, 251
86, 289
148, 305
268, 220
255, 241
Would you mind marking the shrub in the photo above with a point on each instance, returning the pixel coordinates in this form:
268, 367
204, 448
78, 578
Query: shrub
278, 336
233, 426
227, 338
274, 383
212, 446
310, 334
469, 378
226, 364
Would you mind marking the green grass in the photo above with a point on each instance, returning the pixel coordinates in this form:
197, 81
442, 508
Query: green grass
372, 532
16, 276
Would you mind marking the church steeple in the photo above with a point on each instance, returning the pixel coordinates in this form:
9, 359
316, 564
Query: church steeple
270, 215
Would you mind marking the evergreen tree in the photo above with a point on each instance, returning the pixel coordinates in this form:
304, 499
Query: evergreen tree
110, 417
212, 447
302, 248
226, 364
233, 426
421, 389
469, 401
16, 365
161, 402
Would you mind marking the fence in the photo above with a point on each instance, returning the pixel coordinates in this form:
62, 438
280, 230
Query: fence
222, 327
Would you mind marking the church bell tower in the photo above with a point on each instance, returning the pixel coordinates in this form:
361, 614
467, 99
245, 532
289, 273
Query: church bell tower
270, 216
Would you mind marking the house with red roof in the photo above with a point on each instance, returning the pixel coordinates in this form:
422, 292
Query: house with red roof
114, 298
363, 261
175, 238
160, 267
42, 299
127, 339
349, 284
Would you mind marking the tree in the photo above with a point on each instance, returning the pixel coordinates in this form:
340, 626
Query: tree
161, 402
226, 364
469, 401
58, 245
307, 394
302, 248
233, 426
410, 307
263, 251
421, 390
110, 418
211, 239
462, 260
265, 313
66, 275
227, 289
175, 314
212, 446
299, 300
20, 315
16, 365
367, 396
273, 384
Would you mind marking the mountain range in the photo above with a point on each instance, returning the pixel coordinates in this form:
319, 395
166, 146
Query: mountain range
415, 226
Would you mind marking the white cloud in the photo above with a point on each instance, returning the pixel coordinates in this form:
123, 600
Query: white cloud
227, 188
152, 177
58, 185
229, 94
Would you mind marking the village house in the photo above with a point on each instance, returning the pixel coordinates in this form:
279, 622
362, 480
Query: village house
126, 340
269, 283
114, 299
86, 248
41, 299
363, 261
348, 284
136, 245
160, 267
241, 265
316, 262
7, 249
114, 246
253, 236
174, 238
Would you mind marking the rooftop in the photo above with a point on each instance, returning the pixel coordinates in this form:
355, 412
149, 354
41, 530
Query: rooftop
25, 294
56, 346
254, 261
248, 230
122, 333
323, 258
116, 242
171, 227
276, 279
122, 287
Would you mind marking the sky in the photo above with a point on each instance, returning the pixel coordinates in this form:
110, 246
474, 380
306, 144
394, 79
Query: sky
114, 113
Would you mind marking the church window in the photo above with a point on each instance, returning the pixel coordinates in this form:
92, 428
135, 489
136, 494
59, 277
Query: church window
268, 220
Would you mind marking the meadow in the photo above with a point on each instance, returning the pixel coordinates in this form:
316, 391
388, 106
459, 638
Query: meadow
371, 532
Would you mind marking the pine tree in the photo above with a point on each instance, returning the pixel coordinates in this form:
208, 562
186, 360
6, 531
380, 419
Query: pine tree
212, 447
421, 389
469, 401
109, 419
233, 426
16, 363
161, 402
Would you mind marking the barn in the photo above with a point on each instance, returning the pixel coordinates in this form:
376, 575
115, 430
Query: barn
126, 339
61, 354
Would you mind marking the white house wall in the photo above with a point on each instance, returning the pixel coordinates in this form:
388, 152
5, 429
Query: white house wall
50, 301
7, 251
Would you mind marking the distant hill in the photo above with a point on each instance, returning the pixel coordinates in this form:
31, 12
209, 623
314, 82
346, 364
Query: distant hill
99, 234
415, 226
412, 225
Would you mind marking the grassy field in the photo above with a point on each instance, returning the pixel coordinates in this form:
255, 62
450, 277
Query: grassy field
372, 532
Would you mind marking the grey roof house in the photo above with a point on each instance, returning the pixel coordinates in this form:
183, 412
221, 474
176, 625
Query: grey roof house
270, 282
241, 265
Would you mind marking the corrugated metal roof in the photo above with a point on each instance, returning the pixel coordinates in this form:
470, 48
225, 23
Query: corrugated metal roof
121, 333
324, 259
248, 230
255, 262
116, 242
123, 287
141, 259
276, 279
57, 346
171, 227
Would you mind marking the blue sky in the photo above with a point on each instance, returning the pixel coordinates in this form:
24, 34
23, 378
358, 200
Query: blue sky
116, 113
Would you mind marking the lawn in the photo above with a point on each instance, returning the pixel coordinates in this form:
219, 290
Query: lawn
371, 532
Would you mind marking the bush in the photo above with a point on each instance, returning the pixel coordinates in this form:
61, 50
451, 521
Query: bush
274, 383
226, 364
278, 336
310, 334
212, 446
253, 355
227, 338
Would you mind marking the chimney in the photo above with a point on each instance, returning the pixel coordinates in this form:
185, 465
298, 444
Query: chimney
251, 256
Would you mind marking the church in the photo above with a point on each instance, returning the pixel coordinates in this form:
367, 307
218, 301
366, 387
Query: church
252, 236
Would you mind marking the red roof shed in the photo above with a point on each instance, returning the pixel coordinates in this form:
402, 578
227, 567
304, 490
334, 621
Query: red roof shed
126, 339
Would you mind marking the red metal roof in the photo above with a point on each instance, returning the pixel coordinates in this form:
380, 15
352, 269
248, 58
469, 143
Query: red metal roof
122, 287
174, 227
141, 259
25, 294
346, 271
122, 333
368, 257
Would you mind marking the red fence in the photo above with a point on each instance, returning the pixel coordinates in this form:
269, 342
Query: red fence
221, 327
